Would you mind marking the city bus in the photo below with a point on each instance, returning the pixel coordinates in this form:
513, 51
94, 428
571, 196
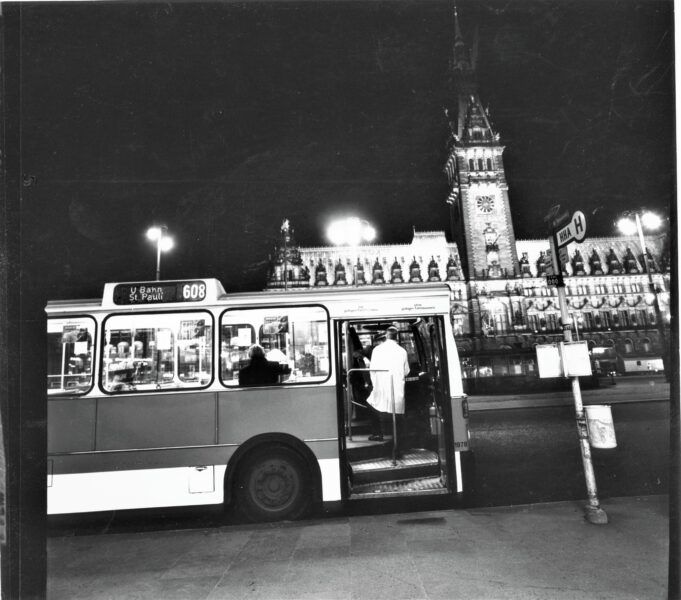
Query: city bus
146, 408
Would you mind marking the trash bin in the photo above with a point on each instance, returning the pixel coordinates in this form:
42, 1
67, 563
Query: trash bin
600, 426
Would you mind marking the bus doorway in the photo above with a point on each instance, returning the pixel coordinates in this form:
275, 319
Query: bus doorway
410, 458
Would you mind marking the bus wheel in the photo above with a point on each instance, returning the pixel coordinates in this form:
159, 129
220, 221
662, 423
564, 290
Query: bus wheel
273, 485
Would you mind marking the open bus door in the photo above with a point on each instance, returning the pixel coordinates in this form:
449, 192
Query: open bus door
422, 464
431, 336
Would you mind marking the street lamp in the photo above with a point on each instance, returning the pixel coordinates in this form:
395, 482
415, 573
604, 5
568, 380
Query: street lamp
163, 244
627, 226
350, 232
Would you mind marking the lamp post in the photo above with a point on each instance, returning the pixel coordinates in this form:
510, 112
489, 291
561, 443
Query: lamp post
163, 241
627, 226
351, 231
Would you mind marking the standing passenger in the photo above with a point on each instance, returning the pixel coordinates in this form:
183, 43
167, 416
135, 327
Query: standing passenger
389, 386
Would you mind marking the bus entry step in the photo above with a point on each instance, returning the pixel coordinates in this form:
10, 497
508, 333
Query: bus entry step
414, 464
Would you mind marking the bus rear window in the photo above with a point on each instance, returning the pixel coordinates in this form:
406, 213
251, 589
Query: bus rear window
295, 340
148, 352
69, 355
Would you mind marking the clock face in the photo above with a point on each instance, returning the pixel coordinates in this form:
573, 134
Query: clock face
485, 204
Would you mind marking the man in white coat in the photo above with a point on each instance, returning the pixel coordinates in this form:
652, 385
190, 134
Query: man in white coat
388, 387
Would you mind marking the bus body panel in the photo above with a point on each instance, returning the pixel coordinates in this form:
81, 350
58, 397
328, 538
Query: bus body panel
131, 460
307, 413
155, 488
156, 421
398, 305
459, 403
139, 488
453, 364
71, 424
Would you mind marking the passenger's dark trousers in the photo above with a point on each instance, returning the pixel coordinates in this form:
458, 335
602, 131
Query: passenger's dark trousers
382, 424
376, 425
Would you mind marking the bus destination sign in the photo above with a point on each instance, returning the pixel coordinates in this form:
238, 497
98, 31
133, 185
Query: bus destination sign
159, 292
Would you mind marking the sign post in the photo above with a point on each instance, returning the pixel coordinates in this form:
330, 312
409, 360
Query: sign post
575, 230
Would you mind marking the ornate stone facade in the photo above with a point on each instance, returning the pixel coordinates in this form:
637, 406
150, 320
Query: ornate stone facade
429, 258
611, 303
500, 300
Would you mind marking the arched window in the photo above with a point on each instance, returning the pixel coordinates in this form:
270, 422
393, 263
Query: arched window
606, 318
645, 345
588, 320
471, 164
480, 164
628, 346
489, 164
552, 321
533, 322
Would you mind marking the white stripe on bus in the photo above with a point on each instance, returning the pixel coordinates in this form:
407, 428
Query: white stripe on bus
140, 488
155, 488
459, 478
330, 468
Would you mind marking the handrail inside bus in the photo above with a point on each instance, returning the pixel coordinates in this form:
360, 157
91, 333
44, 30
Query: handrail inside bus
348, 414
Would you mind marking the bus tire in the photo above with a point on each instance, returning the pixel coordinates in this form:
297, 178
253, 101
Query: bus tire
273, 485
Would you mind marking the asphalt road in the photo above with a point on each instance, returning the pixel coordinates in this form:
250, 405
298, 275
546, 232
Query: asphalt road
531, 455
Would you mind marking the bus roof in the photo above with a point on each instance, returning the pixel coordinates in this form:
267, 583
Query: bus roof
192, 293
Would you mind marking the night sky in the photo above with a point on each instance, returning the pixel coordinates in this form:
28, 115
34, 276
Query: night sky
222, 119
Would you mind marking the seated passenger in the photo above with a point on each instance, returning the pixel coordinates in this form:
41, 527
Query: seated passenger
122, 380
259, 370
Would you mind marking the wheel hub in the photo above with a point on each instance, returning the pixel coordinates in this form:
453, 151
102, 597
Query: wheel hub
274, 485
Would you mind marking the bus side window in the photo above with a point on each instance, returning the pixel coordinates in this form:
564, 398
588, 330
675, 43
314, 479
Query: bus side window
235, 340
297, 338
195, 351
69, 355
146, 352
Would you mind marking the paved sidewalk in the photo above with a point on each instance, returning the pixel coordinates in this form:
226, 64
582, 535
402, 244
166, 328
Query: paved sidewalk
639, 389
543, 552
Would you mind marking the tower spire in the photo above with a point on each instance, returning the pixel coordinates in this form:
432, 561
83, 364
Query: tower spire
462, 62
478, 196
458, 38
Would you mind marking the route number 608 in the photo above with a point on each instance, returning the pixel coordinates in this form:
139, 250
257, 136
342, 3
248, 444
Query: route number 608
194, 291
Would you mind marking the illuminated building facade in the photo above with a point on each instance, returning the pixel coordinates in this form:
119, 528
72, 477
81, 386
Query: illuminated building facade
501, 305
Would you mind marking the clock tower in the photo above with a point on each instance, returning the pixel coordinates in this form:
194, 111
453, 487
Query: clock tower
478, 190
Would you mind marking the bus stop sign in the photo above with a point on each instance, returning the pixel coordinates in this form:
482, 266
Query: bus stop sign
555, 280
574, 231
